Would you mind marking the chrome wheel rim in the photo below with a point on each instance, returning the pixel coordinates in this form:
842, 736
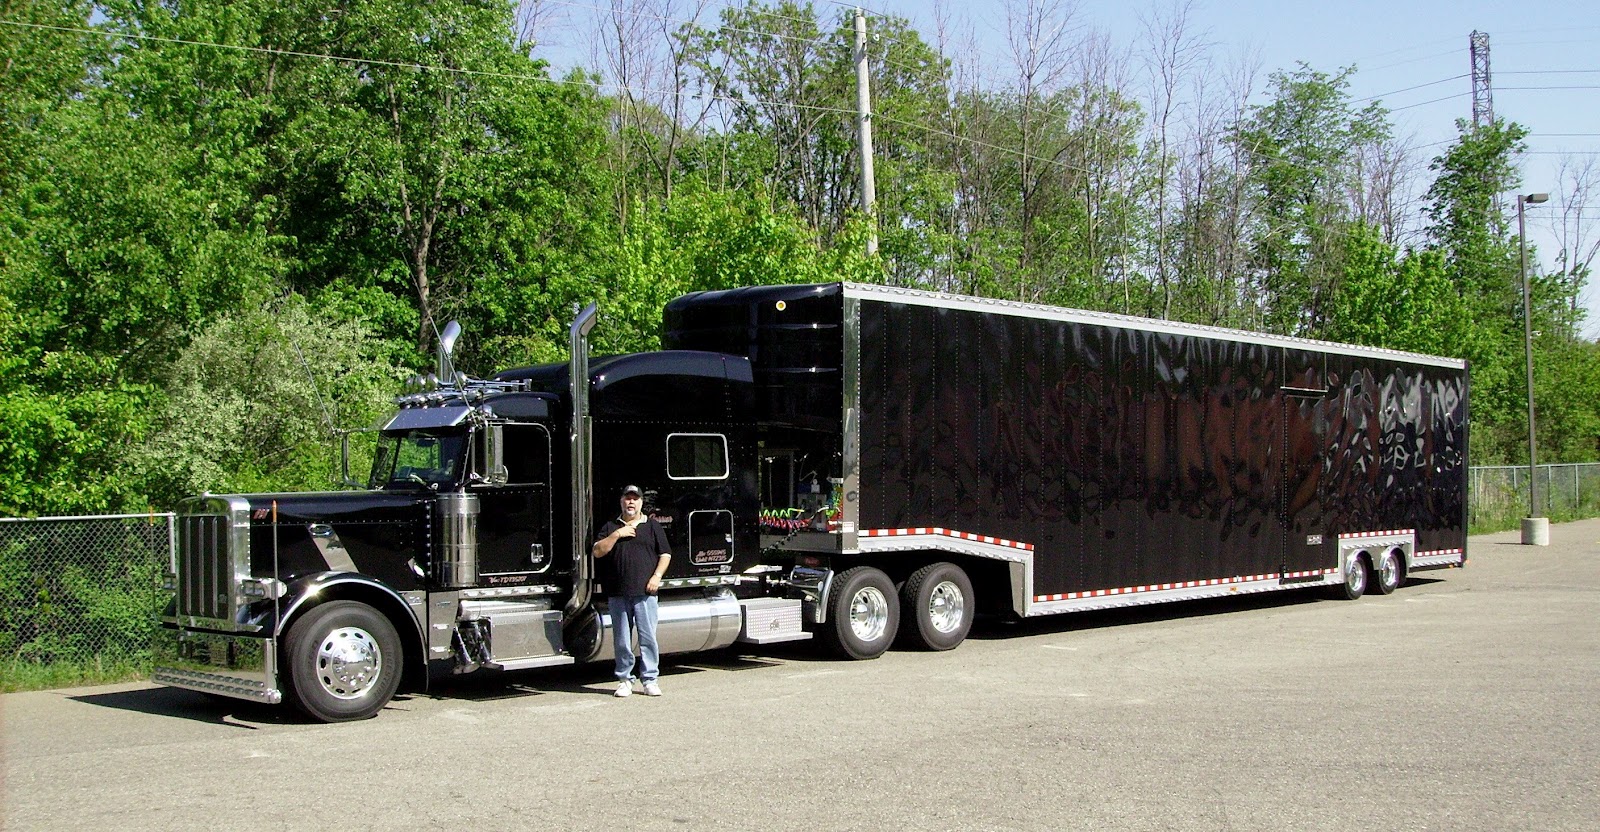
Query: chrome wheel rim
1355, 576
869, 614
947, 607
1389, 571
349, 663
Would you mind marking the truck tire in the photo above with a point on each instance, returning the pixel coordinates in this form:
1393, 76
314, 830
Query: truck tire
344, 662
1390, 574
1354, 584
863, 614
939, 600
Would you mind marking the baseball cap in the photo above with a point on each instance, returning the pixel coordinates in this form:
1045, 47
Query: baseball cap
631, 489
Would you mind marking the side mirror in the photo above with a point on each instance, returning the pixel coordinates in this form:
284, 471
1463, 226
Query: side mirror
344, 462
494, 466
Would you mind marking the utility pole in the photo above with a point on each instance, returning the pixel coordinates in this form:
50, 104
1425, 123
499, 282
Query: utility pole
869, 190
1482, 91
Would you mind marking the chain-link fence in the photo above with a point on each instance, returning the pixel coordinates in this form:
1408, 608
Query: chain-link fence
81, 591
86, 591
1498, 494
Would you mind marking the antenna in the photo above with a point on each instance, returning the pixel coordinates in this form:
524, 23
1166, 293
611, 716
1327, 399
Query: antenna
1482, 90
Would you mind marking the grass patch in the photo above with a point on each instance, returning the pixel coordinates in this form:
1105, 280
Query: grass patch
28, 674
1497, 507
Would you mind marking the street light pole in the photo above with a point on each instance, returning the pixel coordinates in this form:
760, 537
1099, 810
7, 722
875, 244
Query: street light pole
1535, 527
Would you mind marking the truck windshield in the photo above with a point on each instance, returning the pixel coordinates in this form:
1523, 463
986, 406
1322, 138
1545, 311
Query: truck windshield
418, 457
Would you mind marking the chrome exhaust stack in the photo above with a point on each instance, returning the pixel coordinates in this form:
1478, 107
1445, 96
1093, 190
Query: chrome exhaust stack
582, 453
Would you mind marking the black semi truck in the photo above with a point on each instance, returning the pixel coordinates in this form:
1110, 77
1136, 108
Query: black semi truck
861, 464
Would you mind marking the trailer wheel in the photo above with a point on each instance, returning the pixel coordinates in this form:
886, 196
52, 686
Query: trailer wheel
1391, 573
863, 614
1354, 584
344, 662
939, 599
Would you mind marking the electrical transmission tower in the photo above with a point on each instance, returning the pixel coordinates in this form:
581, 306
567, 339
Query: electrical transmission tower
1482, 90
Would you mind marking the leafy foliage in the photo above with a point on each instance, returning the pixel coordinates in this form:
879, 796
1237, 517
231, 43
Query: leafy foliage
252, 403
216, 247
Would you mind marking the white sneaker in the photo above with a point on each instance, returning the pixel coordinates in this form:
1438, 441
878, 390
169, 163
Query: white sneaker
652, 689
625, 688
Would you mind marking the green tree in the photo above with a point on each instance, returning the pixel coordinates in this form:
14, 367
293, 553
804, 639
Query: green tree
1400, 302
1298, 152
253, 402
1469, 228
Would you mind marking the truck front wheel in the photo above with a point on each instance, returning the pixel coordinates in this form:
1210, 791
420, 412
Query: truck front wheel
344, 662
863, 614
939, 597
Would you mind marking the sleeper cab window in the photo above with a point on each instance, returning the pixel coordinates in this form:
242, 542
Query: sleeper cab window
697, 456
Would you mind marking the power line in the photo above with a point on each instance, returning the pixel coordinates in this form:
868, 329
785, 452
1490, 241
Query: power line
1409, 89
820, 40
969, 140
511, 76
1415, 60
1548, 42
546, 79
1542, 31
1571, 87
523, 77
1426, 103
1412, 48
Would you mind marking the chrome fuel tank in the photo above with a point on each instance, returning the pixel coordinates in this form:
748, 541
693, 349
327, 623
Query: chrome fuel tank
708, 620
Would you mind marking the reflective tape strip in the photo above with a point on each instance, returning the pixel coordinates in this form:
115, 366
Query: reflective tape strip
1135, 590
976, 538
1389, 533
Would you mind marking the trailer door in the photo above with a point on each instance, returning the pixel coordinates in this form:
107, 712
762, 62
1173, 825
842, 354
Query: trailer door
1305, 427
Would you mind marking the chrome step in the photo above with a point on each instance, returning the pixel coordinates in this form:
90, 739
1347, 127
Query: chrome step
530, 662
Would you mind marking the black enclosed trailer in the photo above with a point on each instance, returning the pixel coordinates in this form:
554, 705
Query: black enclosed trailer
865, 464
1102, 460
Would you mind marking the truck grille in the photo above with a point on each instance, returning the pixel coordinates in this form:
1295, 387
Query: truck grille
205, 566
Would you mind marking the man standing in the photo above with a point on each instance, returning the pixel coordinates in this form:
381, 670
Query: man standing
640, 554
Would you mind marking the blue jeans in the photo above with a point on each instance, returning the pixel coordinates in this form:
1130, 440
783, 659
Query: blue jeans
626, 613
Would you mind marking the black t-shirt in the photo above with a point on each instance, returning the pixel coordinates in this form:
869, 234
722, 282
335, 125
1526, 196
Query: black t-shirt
634, 559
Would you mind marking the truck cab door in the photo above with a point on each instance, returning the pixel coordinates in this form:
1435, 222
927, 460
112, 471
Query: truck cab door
514, 520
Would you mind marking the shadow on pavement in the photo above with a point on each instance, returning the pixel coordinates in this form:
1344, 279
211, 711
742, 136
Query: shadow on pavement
595, 678
200, 707
1001, 628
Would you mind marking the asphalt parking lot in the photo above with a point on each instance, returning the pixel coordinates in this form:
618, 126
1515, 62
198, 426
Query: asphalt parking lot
1465, 701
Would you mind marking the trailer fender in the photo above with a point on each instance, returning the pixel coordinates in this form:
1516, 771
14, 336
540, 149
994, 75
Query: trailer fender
1018, 556
1374, 545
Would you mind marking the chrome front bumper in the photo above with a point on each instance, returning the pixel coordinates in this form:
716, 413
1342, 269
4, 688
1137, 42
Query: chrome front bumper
227, 665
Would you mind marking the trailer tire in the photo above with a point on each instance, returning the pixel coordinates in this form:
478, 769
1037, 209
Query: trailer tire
344, 662
1390, 574
863, 614
939, 600
1354, 583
